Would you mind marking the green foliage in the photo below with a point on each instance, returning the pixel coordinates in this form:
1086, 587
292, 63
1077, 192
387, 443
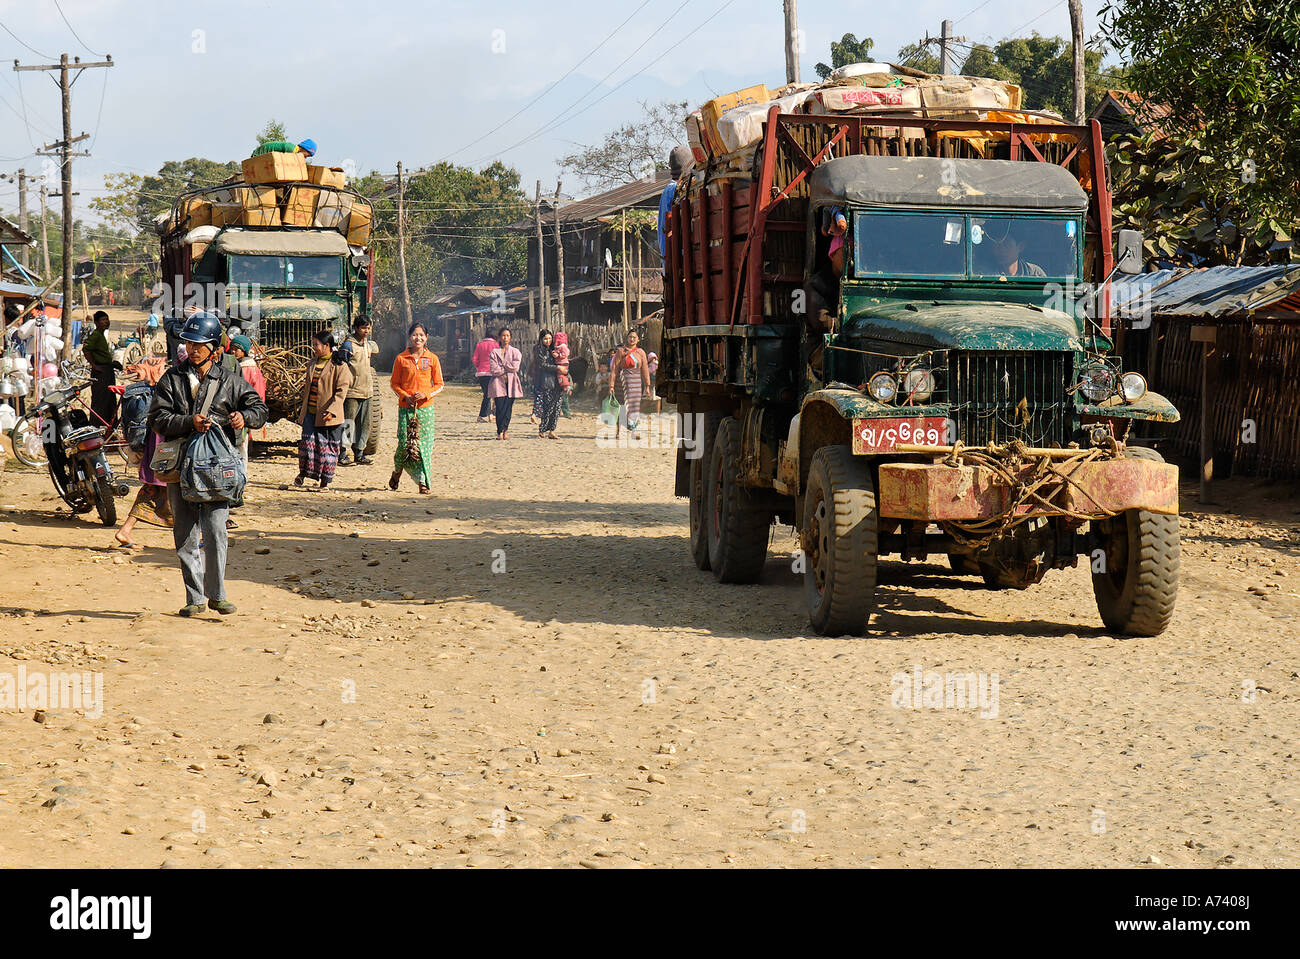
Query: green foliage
1044, 68
918, 56
1230, 75
848, 49
274, 130
156, 193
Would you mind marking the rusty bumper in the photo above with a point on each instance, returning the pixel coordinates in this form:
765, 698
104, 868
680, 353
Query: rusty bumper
934, 491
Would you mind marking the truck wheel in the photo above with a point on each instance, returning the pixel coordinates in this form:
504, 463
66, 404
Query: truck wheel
737, 531
1139, 583
376, 417
699, 471
963, 565
840, 542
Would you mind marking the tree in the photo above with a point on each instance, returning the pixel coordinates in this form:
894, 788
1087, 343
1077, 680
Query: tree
1043, 67
632, 152
118, 204
1229, 73
918, 57
157, 193
848, 49
274, 130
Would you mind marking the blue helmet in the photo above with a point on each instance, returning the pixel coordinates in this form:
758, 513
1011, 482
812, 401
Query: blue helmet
201, 328
308, 147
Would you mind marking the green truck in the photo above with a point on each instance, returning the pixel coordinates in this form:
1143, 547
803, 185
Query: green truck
278, 284
893, 334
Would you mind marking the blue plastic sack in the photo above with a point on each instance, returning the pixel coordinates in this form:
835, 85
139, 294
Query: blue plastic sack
213, 470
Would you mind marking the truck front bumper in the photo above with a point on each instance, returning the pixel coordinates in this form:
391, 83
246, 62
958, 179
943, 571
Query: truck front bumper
937, 492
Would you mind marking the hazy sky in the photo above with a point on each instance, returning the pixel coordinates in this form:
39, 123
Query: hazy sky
374, 83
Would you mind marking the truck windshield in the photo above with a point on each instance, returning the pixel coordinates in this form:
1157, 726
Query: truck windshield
965, 245
326, 271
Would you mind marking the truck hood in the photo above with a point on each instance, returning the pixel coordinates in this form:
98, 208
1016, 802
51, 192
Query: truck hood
966, 325
300, 308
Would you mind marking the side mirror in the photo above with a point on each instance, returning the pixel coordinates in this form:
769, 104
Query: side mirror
1128, 249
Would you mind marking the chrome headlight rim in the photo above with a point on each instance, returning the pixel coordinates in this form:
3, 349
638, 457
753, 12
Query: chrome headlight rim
911, 392
1097, 382
1132, 387
883, 387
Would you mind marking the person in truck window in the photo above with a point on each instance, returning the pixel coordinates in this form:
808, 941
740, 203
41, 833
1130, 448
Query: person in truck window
1004, 253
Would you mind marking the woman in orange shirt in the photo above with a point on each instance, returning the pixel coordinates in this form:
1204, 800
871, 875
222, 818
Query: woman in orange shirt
417, 379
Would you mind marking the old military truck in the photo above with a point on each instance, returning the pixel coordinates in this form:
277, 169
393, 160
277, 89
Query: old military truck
950, 390
278, 283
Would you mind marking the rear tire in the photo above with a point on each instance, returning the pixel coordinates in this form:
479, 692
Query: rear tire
840, 542
105, 505
376, 417
699, 471
1137, 589
738, 531
963, 565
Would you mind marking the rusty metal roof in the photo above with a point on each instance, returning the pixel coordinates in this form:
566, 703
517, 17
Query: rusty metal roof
1210, 293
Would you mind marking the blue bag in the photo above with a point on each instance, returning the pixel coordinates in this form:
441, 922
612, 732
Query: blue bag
212, 470
136, 400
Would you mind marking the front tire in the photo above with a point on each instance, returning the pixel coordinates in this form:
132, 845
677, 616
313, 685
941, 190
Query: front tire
1138, 584
840, 542
26, 442
737, 530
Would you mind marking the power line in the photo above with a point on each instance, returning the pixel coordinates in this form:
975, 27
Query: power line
558, 121
74, 32
45, 56
594, 87
550, 87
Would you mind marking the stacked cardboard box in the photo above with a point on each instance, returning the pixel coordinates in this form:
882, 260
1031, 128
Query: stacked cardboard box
327, 176
275, 168
300, 206
359, 224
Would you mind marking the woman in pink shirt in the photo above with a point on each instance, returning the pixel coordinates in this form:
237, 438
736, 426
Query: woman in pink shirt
505, 386
483, 370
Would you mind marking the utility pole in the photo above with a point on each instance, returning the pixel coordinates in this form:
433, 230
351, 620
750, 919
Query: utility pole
791, 42
22, 211
66, 153
559, 257
1076, 31
45, 237
401, 244
544, 301
945, 47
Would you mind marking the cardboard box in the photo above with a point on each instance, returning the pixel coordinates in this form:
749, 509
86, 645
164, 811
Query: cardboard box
262, 216
195, 212
276, 168
197, 250
258, 197
359, 224
712, 111
332, 210
300, 206
327, 176
227, 214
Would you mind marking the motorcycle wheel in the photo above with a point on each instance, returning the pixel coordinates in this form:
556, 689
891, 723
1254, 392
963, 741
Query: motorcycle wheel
104, 502
25, 439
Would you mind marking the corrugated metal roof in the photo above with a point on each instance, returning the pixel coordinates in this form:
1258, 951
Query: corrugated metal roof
1216, 291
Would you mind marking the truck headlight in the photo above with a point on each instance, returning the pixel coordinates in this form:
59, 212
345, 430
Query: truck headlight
918, 386
1132, 387
882, 387
1098, 383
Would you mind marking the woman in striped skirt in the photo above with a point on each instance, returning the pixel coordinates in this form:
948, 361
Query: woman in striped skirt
629, 380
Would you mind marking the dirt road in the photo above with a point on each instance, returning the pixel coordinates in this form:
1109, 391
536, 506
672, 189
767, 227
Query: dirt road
389, 696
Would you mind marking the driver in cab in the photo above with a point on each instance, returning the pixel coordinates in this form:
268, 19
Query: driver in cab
1000, 252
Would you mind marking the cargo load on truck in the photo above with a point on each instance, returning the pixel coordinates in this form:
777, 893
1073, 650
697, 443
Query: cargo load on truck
886, 324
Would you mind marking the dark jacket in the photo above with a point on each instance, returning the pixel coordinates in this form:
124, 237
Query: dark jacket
544, 369
172, 412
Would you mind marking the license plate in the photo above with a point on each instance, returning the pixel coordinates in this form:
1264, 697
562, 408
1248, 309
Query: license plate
883, 435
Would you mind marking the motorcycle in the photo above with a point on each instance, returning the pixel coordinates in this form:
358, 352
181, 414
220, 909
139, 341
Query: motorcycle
74, 452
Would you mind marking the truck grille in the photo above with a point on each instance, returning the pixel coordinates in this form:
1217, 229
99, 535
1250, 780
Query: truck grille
997, 397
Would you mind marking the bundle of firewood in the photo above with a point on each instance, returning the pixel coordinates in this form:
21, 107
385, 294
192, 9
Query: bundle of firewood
285, 372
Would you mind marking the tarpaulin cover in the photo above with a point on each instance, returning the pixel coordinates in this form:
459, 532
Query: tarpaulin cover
275, 243
940, 181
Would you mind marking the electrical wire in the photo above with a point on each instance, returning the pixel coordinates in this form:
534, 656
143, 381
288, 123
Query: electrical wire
74, 32
44, 56
549, 87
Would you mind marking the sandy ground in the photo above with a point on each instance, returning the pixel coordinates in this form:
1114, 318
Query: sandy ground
385, 698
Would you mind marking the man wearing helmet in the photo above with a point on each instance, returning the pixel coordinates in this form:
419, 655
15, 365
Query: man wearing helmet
232, 405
